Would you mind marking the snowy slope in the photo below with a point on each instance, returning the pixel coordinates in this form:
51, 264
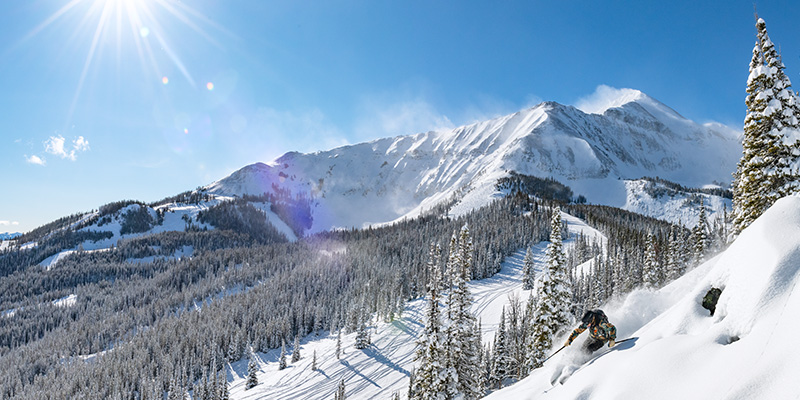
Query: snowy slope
175, 215
678, 207
383, 368
745, 351
393, 178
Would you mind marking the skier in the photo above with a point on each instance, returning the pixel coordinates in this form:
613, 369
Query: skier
600, 331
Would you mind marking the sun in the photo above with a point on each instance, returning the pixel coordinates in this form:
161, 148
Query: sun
136, 23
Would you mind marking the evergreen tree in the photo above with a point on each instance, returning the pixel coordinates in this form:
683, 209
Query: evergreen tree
252, 370
362, 336
296, 349
222, 391
652, 271
463, 340
502, 359
339, 344
282, 359
428, 383
674, 264
552, 313
340, 392
767, 169
528, 273
314, 360
699, 238
558, 289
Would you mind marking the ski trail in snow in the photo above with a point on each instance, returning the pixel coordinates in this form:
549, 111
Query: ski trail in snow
384, 367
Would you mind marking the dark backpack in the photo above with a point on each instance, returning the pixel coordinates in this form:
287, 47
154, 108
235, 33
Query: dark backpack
594, 317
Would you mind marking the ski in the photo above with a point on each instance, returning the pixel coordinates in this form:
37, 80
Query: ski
562, 375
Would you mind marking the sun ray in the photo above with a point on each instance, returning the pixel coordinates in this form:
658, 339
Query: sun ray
56, 15
89, 57
136, 24
171, 54
181, 17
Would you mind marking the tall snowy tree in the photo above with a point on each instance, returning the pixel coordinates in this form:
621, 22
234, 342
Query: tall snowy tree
428, 382
314, 360
674, 263
768, 167
463, 340
699, 238
340, 392
282, 358
552, 313
339, 344
652, 269
528, 273
252, 370
502, 359
296, 349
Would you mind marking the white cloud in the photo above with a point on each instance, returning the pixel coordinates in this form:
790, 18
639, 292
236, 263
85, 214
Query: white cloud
55, 145
8, 223
400, 118
605, 97
302, 131
80, 144
35, 160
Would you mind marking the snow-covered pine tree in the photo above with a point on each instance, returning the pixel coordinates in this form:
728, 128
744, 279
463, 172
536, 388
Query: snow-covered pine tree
528, 273
767, 169
296, 349
674, 264
339, 344
340, 392
314, 360
222, 389
553, 298
651, 273
252, 370
500, 370
362, 336
282, 358
428, 382
556, 279
699, 238
463, 342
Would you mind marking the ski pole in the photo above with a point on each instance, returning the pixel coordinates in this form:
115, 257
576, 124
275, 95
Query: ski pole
551, 355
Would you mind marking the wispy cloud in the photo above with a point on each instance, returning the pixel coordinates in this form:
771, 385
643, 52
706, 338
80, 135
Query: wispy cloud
56, 145
34, 159
9, 223
605, 97
399, 118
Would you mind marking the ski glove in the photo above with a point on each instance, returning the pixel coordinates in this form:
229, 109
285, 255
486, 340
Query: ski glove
611, 343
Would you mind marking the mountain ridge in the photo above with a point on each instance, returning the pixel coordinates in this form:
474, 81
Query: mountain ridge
389, 179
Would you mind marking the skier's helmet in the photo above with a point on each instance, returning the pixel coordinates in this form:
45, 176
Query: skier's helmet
592, 317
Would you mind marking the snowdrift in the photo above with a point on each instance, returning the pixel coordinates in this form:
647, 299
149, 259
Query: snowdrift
747, 350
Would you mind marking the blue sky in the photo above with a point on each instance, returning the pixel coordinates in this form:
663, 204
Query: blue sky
105, 100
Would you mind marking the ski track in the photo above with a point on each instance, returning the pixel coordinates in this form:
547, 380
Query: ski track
383, 368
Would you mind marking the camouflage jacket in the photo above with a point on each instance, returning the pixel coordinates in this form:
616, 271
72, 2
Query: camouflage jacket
603, 331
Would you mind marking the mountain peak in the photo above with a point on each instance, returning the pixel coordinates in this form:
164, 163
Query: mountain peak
606, 97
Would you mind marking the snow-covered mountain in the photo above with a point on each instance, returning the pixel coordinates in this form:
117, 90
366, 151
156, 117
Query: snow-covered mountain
8, 235
593, 153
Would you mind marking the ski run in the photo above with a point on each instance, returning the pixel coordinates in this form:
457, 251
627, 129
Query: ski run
383, 368
681, 351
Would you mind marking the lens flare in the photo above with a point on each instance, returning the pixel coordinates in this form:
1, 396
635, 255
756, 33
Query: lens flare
144, 31
185, 131
165, 80
210, 86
